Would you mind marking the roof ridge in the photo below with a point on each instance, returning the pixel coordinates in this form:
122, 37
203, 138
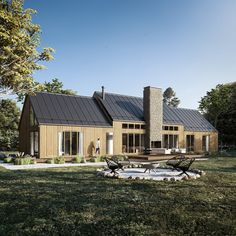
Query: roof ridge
121, 95
61, 94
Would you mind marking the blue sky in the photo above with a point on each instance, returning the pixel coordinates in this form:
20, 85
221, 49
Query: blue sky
128, 44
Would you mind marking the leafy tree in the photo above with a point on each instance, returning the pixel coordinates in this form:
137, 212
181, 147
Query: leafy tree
55, 86
219, 107
169, 98
19, 39
216, 103
9, 117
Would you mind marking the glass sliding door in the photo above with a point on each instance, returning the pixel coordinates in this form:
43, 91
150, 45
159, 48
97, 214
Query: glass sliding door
70, 143
74, 146
190, 143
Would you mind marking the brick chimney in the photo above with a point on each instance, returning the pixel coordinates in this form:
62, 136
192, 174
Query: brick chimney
153, 116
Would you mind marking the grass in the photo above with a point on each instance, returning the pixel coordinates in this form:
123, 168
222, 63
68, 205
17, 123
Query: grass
74, 201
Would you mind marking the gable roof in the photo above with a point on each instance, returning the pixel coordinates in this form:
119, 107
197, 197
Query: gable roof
65, 109
129, 108
121, 107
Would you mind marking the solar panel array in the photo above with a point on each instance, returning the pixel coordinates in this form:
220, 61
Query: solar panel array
67, 110
127, 108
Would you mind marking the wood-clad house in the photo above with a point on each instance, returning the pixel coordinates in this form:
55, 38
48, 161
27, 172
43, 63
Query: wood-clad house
56, 124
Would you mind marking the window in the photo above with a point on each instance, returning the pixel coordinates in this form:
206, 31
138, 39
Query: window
142, 126
124, 126
205, 143
170, 141
124, 143
70, 143
176, 128
137, 126
34, 143
171, 128
131, 126
131, 143
190, 143
166, 127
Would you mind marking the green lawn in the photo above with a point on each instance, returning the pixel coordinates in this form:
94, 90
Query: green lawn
74, 201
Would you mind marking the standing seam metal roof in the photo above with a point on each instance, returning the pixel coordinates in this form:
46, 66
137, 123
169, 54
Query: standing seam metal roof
129, 108
67, 110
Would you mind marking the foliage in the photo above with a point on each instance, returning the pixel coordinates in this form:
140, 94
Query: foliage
219, 107
79, 159
23, 161
119, 158
169, 98
8, 160
75, 201
59, 160
55, 86
19, 40
50, 161
9, 117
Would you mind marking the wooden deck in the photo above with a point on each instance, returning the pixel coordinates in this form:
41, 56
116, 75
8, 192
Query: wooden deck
160, 157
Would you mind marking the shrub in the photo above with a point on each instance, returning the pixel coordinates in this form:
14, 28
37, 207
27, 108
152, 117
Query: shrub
8, 160
119, 158
50, 161
93, 159
59, 160
23, 160
2, 156
79, 159
83, 160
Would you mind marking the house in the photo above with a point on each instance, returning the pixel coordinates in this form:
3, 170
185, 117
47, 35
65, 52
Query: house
57, 124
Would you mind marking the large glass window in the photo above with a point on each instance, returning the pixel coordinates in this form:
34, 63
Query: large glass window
190, 143
170, 141
70, 143
34, 143
124, 143
131, 143
74, 143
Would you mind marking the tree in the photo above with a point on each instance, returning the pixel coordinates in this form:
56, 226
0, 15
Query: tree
9, 116
19, 39
219, 108
169, 98
216, 103
55, 86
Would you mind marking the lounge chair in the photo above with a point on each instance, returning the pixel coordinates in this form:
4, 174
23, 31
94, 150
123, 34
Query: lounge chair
113, 165
180, 163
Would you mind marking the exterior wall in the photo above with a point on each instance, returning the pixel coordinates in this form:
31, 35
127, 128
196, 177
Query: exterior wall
197, 138
24, 129
213, 147
48, 147
49, 140
118, 131
180, 133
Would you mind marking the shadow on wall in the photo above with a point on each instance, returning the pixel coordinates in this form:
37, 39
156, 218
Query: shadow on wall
91, 149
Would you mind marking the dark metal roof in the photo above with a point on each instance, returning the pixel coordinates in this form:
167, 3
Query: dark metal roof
64, 109
129, 108
120, 107
191, 119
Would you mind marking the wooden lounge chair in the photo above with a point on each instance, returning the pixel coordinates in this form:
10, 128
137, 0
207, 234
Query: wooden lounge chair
113, 165
181, 163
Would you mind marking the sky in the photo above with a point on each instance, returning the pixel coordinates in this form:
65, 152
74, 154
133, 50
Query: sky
126, 45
